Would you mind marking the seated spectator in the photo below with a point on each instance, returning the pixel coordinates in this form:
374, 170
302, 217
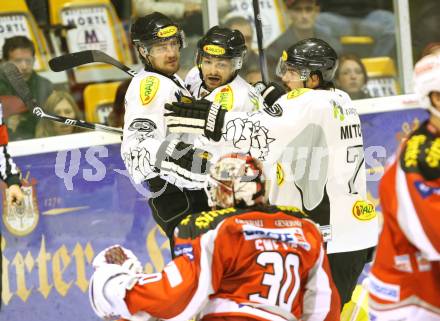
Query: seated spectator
302, 15
351, 77
60, 103
245, 27
21, 51
116, 116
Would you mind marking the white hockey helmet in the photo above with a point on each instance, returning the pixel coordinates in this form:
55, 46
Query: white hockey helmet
236, 180
427, 79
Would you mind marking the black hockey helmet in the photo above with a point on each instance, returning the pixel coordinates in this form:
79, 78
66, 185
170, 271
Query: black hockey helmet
309, 56
153, 28
222, 43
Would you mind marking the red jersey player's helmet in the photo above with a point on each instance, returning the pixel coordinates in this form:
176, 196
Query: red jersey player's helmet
427, 79
236, 180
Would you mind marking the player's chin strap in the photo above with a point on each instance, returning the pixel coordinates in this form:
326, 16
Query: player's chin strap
272, 309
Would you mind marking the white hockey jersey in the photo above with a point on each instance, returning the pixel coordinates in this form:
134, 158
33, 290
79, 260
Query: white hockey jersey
312, 148
144, 123
145, 128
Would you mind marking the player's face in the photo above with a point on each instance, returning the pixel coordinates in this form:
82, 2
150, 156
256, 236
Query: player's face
350, 77
303, 14
165, 56
63, 108
292, 79
216, 71
24, 60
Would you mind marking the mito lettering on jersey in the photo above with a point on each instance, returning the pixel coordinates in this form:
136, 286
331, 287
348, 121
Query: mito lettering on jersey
351, 131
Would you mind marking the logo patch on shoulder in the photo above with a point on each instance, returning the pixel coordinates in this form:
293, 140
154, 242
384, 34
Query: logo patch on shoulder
225, 98
297, 92
148, 89
364, 210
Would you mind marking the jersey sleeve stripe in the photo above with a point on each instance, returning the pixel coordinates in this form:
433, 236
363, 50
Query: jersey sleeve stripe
409, 220
317, 298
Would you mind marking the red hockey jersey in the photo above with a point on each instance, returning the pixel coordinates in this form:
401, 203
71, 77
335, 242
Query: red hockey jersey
260, 264
406, 270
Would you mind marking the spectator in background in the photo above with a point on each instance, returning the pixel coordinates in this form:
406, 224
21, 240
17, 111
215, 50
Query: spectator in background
351, 77
59, 103
253, 73
116, 116
245, 27
21, 52
302, 15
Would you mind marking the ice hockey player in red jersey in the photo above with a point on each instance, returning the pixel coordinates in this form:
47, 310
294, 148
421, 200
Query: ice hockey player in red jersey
250, 261
404, 283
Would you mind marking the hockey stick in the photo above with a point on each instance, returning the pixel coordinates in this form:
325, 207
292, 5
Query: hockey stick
21, 87
261, 53
79, 58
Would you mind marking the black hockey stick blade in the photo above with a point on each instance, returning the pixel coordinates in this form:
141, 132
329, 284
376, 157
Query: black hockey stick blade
17, 82
71, 60
80, 58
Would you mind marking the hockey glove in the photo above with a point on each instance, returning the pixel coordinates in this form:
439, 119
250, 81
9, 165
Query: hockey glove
270, 93
183, 161
117, 254
197, 116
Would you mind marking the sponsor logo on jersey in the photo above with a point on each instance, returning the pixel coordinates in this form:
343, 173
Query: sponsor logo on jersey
214, 50
297, 92
364, 210
148, 89
412, 151
275, 110
382, 290
426, 190
143, 125
167, 32
284, 56
290, 209
423, 264
433, 154
225, 98
288, 223
206, 218
338, 112
205, 155
258, 223
212, 117
184, 249
403, 263
280, 174
294, 235
21, 220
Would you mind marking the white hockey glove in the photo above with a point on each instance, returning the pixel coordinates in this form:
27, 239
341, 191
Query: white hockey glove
183, 161
196, 116
107, 290
117, 254
270, 92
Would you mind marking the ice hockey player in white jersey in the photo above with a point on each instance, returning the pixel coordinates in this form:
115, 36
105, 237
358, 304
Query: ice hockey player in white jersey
311, 142
149, 153
220, 55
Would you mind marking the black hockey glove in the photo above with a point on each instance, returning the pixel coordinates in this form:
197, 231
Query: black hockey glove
197, 117
270, 92
183, 161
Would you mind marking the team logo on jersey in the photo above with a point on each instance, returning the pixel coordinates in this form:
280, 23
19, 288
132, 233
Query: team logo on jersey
280, 174
148, 89
21, 220
364, 210
297, 92
275, 110
225, 98
214, 50
167, 32
143, 125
